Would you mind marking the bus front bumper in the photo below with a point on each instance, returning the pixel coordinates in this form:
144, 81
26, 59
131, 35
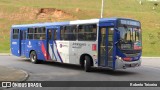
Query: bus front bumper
120, 64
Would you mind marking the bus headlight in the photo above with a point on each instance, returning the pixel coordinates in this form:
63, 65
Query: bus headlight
118, 57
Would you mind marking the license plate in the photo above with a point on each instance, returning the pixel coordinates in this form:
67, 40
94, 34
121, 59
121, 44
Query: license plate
134, 64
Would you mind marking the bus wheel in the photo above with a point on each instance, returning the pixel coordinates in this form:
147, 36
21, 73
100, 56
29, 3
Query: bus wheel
87, 64
33, 57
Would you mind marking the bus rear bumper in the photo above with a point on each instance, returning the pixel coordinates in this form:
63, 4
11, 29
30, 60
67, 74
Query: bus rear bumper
120, 64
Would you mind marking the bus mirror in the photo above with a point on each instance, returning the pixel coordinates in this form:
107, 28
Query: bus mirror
117, 30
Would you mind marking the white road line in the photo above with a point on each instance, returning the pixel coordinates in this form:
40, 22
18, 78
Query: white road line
150, 57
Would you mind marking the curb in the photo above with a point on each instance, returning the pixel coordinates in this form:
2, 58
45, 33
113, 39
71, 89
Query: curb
21, 80
26, 76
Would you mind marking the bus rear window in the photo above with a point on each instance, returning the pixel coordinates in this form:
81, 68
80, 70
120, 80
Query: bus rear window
15, 33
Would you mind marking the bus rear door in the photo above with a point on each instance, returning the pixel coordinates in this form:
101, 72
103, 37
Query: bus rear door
23, 42
106, 46
51, 44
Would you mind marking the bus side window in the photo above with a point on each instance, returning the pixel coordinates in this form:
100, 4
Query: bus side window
94, 34
81, 33
68, 33
36, 33
42, 33
50, 34
23, 35
62, 33
30, 33
71, 33
15, 33
87, 32
55, 34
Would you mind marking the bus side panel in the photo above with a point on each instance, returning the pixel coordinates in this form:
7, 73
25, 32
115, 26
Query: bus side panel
37, 46
15, 47
71, 51
30, 45
89, 48
42, 49
60, 52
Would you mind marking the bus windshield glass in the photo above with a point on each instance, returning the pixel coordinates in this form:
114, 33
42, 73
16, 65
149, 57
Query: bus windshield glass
130, 34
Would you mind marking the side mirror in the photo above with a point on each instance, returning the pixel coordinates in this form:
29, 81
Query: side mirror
116, 29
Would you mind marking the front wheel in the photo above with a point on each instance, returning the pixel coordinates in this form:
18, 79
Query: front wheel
87, 64
33, 57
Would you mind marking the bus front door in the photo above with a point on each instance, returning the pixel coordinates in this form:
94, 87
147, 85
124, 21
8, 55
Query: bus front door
106, 47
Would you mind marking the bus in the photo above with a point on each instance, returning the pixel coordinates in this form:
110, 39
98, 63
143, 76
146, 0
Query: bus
114, 43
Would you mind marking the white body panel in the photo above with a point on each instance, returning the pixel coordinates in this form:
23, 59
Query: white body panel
71, 51
63, 48
91, 21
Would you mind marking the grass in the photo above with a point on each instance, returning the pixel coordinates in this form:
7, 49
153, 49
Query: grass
149, 18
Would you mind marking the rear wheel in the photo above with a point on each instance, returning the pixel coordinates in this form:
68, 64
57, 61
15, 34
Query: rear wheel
33, 57
87, 64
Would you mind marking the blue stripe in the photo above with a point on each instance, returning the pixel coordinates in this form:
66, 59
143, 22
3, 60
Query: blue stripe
41, 24
53, 52
58, 53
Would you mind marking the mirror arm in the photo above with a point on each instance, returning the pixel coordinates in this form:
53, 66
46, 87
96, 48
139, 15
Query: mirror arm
116, 29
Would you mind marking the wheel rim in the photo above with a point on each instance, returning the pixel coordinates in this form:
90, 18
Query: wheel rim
85, 64
33, 57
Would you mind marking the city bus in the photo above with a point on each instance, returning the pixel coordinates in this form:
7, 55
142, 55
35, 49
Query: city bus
114, 43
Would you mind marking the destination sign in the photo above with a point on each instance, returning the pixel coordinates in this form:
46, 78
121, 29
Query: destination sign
129, 22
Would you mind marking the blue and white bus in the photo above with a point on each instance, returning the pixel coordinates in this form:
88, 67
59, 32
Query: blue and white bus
114, 43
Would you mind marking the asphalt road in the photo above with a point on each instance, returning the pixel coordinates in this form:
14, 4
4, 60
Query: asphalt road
50, 71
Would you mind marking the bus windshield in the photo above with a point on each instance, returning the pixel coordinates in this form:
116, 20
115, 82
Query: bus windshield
130, 34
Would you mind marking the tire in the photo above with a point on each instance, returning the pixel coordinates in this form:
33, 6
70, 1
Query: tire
87, 64
82, 64
33, 57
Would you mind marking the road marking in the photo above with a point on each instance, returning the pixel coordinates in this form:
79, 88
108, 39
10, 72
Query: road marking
150, 57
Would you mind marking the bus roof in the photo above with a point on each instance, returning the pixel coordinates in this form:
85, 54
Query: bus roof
89, 21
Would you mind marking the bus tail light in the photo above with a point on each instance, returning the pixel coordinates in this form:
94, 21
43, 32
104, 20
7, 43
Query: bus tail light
127, 59
94, 47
